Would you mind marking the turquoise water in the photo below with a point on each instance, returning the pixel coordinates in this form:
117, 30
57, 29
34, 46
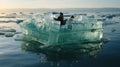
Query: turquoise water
29, 53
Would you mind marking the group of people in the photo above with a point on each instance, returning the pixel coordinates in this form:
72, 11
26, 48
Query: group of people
61, 19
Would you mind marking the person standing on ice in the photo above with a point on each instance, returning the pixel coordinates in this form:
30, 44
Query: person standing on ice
61, 19
69, 23
71, 18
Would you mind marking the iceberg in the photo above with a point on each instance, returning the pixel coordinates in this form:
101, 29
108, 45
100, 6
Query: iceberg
44, 29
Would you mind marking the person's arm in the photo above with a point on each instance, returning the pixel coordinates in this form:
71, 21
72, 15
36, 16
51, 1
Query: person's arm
55, 19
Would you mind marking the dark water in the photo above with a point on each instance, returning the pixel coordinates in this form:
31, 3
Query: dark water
29, 54
84, 55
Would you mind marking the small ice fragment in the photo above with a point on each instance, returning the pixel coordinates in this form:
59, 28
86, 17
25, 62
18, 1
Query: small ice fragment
9, 34
106, 39
19, 21
113, 30
1, 33
19, 37
18, 32
11, 30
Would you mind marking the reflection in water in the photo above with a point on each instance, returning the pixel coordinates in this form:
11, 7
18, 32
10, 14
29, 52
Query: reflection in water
58, 53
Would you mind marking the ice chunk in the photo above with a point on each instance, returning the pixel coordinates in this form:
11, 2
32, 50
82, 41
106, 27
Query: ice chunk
19, 21
2, 33
7, 29
106, 39
10, 30
9, 34
19, 37
17, 32
48, 31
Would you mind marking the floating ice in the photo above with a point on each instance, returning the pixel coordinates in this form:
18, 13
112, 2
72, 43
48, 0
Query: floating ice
9, 34
2, 33
113, 30
106, 39
46, 30
19, 21
19, 37
7, 30
17, 32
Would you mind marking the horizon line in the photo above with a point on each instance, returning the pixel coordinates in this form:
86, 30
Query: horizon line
62, 8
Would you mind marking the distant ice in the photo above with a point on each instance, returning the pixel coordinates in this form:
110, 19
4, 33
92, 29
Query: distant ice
9, 29
9, 34
19, 37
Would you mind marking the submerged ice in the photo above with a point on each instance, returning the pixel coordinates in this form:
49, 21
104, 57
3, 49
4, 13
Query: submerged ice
58, 53
44, 29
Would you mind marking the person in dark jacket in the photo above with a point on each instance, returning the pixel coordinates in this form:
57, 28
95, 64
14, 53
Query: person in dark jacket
61, 19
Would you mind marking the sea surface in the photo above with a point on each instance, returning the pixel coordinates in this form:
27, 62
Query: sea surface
20, 53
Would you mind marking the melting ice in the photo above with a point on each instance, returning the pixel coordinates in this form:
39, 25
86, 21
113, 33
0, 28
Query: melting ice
45, 29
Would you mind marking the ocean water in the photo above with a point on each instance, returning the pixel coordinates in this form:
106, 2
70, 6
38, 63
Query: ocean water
29, 54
